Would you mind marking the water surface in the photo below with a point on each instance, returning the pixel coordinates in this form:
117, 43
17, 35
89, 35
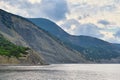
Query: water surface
61, 72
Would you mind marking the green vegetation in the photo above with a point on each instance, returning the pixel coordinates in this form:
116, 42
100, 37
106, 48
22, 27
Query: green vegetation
9, 49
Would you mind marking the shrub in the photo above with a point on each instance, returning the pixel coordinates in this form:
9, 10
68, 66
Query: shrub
9, 49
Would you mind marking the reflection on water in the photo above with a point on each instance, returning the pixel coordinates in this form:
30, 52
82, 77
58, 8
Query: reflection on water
61, 72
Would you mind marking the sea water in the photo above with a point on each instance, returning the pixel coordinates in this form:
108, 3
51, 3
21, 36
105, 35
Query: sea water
61, 72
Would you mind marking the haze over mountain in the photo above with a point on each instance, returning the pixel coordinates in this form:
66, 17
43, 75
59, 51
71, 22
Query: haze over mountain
20, 31
92, 48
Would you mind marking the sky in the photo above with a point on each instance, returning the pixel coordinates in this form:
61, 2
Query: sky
96, 18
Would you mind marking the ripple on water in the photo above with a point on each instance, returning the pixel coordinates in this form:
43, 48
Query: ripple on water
61, 72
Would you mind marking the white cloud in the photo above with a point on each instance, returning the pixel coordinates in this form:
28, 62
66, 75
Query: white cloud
72, 29
92, 11
101, 2
15, 10
34, 1
107, 35
110, 36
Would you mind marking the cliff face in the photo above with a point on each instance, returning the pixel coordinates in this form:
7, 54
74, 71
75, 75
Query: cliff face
22, 32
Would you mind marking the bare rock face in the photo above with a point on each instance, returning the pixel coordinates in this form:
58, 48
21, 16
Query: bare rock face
22, 32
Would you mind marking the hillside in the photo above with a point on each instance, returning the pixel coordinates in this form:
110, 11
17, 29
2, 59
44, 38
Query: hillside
9, 49
92, 48
13, 54
49, 26
23, 32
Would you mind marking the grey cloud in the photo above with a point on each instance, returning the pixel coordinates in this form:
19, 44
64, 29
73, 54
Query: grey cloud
103, 22
56, 9
117, 34
89, 30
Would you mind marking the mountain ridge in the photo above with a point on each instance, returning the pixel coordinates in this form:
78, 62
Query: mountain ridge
93, 48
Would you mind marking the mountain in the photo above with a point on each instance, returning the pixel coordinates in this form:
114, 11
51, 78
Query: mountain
50, 26
92, 48
118, 45
23, 32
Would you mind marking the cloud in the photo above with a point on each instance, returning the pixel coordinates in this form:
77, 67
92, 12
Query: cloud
70, 26
91, 11
97, 18
111, 36
55, 9
34, 1
51, 9
6, 5
117, 34
86, 8
94, 2
89, 30
103, 22
107, 35
74, 27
